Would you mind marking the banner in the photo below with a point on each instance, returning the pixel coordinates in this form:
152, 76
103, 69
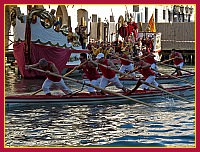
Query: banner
152, 24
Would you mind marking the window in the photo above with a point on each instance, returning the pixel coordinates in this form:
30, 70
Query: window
138, 17
164, 13
135, 8
146, 15
156, 15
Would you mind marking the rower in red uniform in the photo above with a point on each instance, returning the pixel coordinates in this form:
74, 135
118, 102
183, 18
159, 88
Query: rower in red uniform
149, 58
49, 66
126, 66
91, 72
108, 75
148, 74
178, 61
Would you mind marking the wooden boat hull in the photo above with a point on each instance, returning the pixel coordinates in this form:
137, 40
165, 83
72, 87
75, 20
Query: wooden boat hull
85, 98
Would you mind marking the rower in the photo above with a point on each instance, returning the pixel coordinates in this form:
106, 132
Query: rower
149, 58
148, 74
108, 75
49, 66
126, 65
91, 72
178, 61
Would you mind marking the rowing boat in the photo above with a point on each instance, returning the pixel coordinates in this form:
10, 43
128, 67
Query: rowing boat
86, 98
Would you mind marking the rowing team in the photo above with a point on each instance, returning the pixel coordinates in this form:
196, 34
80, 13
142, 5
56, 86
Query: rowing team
108, 70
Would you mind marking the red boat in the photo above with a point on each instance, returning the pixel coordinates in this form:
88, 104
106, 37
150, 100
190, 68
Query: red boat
86, 98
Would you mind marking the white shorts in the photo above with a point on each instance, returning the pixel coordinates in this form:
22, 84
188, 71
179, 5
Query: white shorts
47, 84
95, 83
180, 65
154, 67
104, 82
125, 68
150, 80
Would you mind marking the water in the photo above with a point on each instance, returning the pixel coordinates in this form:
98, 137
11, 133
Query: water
102, 125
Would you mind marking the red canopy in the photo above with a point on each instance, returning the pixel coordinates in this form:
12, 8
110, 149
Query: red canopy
59, 56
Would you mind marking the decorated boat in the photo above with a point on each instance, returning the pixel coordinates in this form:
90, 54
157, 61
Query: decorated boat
36, 36
86, 98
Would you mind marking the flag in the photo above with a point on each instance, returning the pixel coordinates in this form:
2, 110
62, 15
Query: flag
152, 24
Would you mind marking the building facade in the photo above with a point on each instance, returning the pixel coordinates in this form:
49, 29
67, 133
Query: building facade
164, 13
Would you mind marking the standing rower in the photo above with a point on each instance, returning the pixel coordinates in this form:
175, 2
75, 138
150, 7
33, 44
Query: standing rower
178, 61
49, 66
126, 65
148, 74
91, 72
108, 75
149, 58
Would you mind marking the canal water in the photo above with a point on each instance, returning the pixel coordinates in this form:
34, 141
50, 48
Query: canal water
102, 125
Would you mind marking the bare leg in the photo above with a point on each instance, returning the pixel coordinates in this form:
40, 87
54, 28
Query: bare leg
125, 89
136, 87
179, 73
174, 72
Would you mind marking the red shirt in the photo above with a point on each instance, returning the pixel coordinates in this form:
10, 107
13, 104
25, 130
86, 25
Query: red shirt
124, 62
149, 59
146, 72
91, 72
177, 61
107, 73
51, 77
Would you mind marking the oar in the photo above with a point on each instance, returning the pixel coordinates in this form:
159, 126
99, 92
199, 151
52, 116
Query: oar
173, 77
96, 87
74, 69
124, 60
127, 59
113, 69
133, 62
141, 58
134, 70
138, 69
120, 57
172, 66
166, 61
165, 91
127, 74
34, 93
145, 82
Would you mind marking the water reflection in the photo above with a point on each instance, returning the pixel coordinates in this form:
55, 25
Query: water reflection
89, 125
